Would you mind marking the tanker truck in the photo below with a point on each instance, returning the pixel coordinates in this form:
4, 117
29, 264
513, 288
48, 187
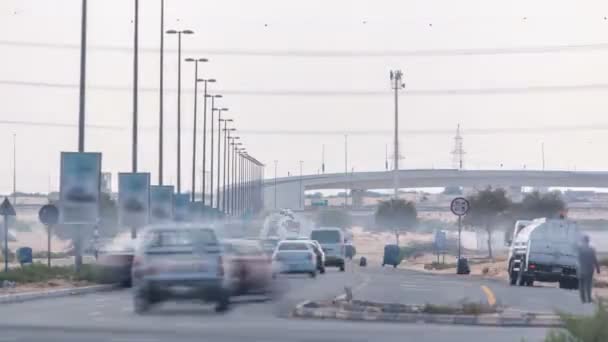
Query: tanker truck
544, 250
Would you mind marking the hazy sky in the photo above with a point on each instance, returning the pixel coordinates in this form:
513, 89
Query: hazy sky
528, 50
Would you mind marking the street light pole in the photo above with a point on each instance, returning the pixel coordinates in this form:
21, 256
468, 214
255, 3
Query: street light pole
161, 90
135, 88
301, 195
226, 138
397, 84
276, 163
194, 129
83, 77
179, 105
211, 80
219, 155
345, 169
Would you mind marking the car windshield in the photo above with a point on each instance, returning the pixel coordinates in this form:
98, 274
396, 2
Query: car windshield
325, 236
293, 246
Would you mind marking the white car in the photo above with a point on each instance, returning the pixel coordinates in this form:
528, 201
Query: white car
293, 256
178, 261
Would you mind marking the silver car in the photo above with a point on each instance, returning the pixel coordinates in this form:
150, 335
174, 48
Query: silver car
178, 261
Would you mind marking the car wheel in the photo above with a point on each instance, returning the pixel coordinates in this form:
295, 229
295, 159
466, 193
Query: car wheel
383, 265
394, 265
313, 274
223, 302
530, 282
342, 268
141, 304
322, 271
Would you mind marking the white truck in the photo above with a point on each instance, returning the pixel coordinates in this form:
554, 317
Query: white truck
544, 250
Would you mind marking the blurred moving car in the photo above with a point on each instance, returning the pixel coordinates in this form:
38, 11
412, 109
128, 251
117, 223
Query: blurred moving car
115, 260
333, 242
248, 268
293, 256
269, 245
178, 261
316, 247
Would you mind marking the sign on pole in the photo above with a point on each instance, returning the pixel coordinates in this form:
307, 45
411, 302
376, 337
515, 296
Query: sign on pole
134, 199
459, 206
182, 206
79, 187
49, 216
6, 210
161, 203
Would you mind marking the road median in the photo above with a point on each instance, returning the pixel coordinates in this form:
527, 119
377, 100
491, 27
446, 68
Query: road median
466, 314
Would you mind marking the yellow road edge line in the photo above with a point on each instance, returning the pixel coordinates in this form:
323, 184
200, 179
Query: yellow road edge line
489, 295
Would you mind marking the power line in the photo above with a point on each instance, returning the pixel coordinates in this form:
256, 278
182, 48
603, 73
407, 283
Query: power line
322, 93
378, 132
543, 49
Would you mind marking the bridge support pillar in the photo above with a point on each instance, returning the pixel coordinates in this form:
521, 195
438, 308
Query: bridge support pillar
357, 197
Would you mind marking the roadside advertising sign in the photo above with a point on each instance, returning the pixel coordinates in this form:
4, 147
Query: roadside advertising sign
134, 199
161, 203
79, 187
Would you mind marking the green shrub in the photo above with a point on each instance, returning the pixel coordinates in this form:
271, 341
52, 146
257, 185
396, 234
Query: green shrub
583, 328
41, 273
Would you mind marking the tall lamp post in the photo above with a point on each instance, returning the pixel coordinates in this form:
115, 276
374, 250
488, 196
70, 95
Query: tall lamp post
161, 93
210, 80
276, 163
301, 195
219, 156
231, 142
226, 138
213, 97
195, 61
233, 188
396, 84
135, 90
179, 107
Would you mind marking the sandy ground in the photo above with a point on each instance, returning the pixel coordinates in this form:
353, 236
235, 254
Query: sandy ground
37, 240
54, 284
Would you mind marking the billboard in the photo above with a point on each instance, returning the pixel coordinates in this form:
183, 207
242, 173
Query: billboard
161, 203
182, 207
79, 187
133, 199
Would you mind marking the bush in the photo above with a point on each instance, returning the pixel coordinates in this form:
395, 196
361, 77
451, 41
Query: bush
583, 328
438, 266
11, 256
466, 308
41, 273
54, 255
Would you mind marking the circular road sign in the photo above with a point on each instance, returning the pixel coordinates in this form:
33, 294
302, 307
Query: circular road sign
49, 214
459, 206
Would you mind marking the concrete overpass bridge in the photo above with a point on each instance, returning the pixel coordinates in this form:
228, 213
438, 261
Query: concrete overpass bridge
288, 192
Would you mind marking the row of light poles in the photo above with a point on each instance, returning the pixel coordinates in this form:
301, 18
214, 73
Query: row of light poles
238, 176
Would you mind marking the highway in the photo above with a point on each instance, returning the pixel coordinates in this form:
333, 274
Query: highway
109, 316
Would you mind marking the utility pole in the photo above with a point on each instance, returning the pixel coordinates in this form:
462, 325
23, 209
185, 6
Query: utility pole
397, 84
276, 163
386, 157
301, 194
323, 159
345, 170
542, 149
14, 169
81, 116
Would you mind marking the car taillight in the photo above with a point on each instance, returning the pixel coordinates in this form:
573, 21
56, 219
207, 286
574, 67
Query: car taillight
532, 266
220, 266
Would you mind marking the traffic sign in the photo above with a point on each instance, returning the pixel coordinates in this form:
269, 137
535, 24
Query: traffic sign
459, 206
48, 214
6, 208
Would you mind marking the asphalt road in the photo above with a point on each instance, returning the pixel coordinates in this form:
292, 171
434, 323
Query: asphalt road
109, 316
391, 285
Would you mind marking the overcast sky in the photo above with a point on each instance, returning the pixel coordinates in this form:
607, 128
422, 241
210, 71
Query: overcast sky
532, 68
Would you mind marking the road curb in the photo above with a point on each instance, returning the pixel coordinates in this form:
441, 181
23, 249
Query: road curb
495, 320
73, 291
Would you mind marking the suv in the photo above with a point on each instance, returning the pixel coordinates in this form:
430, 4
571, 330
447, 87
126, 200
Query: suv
332, 241
178, 261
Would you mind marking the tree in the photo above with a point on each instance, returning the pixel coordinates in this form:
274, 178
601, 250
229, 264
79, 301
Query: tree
488, 208
396, 215
536, 204
333, 218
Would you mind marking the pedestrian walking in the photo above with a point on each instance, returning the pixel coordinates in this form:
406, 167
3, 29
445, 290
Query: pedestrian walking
587, 265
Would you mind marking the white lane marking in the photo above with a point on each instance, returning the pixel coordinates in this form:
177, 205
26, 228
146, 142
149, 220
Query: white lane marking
95, 313
356, 288
416, 289
132, 339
